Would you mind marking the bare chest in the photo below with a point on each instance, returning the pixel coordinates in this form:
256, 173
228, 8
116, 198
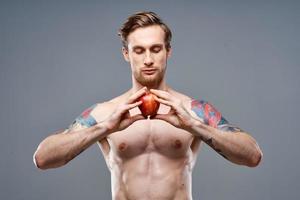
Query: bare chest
153, 135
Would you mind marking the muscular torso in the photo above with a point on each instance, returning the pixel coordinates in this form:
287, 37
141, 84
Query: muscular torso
151, 159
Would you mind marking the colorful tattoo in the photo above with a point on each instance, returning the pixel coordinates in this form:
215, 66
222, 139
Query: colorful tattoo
86, 119
208, 113
211, 116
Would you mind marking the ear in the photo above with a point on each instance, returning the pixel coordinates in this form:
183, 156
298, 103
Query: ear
125, 54
169, 52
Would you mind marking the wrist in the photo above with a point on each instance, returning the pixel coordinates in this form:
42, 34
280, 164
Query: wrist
102, 128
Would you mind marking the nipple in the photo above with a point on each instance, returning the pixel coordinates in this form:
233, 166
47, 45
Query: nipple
177, 144
122, 146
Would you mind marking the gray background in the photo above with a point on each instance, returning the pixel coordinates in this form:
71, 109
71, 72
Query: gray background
59, 57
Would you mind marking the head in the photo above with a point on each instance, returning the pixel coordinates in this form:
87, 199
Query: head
146, 46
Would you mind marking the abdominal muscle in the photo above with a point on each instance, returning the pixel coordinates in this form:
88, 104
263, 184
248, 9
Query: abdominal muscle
151, 176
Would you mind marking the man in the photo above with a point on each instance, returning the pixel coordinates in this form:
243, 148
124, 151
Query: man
149, 158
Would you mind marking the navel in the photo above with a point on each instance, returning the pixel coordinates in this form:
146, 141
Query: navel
122, 146
177, 144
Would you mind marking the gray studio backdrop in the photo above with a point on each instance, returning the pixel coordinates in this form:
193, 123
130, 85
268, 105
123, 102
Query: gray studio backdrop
59, 57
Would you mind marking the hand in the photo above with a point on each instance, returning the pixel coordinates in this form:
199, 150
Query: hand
120, 118
178, 116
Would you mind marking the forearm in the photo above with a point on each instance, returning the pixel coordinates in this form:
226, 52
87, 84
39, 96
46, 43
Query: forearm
236, 146
57, 150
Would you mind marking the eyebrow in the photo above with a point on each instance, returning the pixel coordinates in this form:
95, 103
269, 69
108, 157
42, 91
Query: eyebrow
152, 46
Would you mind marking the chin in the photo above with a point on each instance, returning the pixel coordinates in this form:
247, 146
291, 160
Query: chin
149, 84
150, 81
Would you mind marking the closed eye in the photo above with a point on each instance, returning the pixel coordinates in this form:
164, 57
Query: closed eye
156, 49
138, 50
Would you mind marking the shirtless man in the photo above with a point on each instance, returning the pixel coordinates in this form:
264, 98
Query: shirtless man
149, 159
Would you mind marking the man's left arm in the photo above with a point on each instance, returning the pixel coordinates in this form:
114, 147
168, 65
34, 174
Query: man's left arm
228, 140
202, 120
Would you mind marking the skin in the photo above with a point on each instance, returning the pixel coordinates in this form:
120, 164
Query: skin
149, 158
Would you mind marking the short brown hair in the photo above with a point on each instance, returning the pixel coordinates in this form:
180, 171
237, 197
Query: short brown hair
143, 19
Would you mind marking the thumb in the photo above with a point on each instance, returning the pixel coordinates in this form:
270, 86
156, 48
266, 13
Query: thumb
136, 118
165, 117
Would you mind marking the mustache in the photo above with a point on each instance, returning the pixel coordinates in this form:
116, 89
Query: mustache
148, 68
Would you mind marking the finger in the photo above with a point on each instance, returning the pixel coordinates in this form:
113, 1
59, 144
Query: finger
126, 107
129, 120
137, 117
162, 94
127, 114
133, 105
165, 102
171, 112
165, 117
136, 95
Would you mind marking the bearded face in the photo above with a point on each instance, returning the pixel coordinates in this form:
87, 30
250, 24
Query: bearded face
149, 77
147, 55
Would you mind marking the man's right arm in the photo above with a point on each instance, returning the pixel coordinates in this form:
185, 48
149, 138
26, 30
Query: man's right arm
59, 148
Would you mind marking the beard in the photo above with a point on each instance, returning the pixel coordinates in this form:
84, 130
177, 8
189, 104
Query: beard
150, 81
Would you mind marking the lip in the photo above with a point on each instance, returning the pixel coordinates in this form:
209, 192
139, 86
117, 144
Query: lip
149, 71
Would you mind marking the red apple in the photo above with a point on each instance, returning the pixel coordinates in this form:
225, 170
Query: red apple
150, 106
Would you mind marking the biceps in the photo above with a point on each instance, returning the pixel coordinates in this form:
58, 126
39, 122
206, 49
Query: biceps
84, 120
211, 116
205, 111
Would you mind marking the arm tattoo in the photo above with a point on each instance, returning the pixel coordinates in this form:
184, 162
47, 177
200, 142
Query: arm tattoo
230, 128
210, 143
85, 118
211, 116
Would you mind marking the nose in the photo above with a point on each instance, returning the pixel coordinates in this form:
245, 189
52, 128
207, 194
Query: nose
148, 60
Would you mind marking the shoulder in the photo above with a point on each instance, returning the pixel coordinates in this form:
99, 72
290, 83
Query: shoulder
202, 105
207, 112
91, 115
85, 119
102, 110
179, 95
187, 101
199, 107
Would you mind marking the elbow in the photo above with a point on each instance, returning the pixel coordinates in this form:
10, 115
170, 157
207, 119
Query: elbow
256, 158
43, 163
38, 161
